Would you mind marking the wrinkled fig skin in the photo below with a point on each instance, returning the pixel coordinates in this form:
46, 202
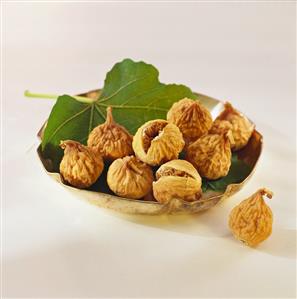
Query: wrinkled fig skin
191, 117
220, 127
242, 128
251, 220
129, 177
111, 140
211, 155
80, 166
157, 142
177, 179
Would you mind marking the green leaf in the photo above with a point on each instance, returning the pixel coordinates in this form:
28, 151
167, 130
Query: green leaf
237, 173
136, 95
131, 88
204, 185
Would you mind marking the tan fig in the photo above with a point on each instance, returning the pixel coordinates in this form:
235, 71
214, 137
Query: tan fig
191, 117
111, 140
177, 179
157, 141
220, 127
129, 177
251, 220
242, 128
80, 166
211, 154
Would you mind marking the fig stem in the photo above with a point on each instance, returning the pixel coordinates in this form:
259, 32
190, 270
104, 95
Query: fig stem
229, 136
265, 192
29, 94
109, 118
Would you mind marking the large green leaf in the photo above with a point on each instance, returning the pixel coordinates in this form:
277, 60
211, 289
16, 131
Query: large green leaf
131, 88
136, 95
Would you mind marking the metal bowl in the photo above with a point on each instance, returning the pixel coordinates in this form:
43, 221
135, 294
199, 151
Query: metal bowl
250, 154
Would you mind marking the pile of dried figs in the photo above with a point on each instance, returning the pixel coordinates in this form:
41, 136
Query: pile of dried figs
147, 164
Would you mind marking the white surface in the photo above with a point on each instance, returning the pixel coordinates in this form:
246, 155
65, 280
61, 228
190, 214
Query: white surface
57, 246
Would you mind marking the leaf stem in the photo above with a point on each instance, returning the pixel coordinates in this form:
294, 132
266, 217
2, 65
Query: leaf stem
29, 94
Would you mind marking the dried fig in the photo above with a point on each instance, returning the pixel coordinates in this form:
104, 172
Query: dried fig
242, 128
211, 154
129, 177
220, 127
80, 166
177, 179
251, 220
191, 117
111, 140
157, 141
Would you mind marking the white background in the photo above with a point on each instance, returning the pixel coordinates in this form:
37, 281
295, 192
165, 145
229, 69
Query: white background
57, 246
